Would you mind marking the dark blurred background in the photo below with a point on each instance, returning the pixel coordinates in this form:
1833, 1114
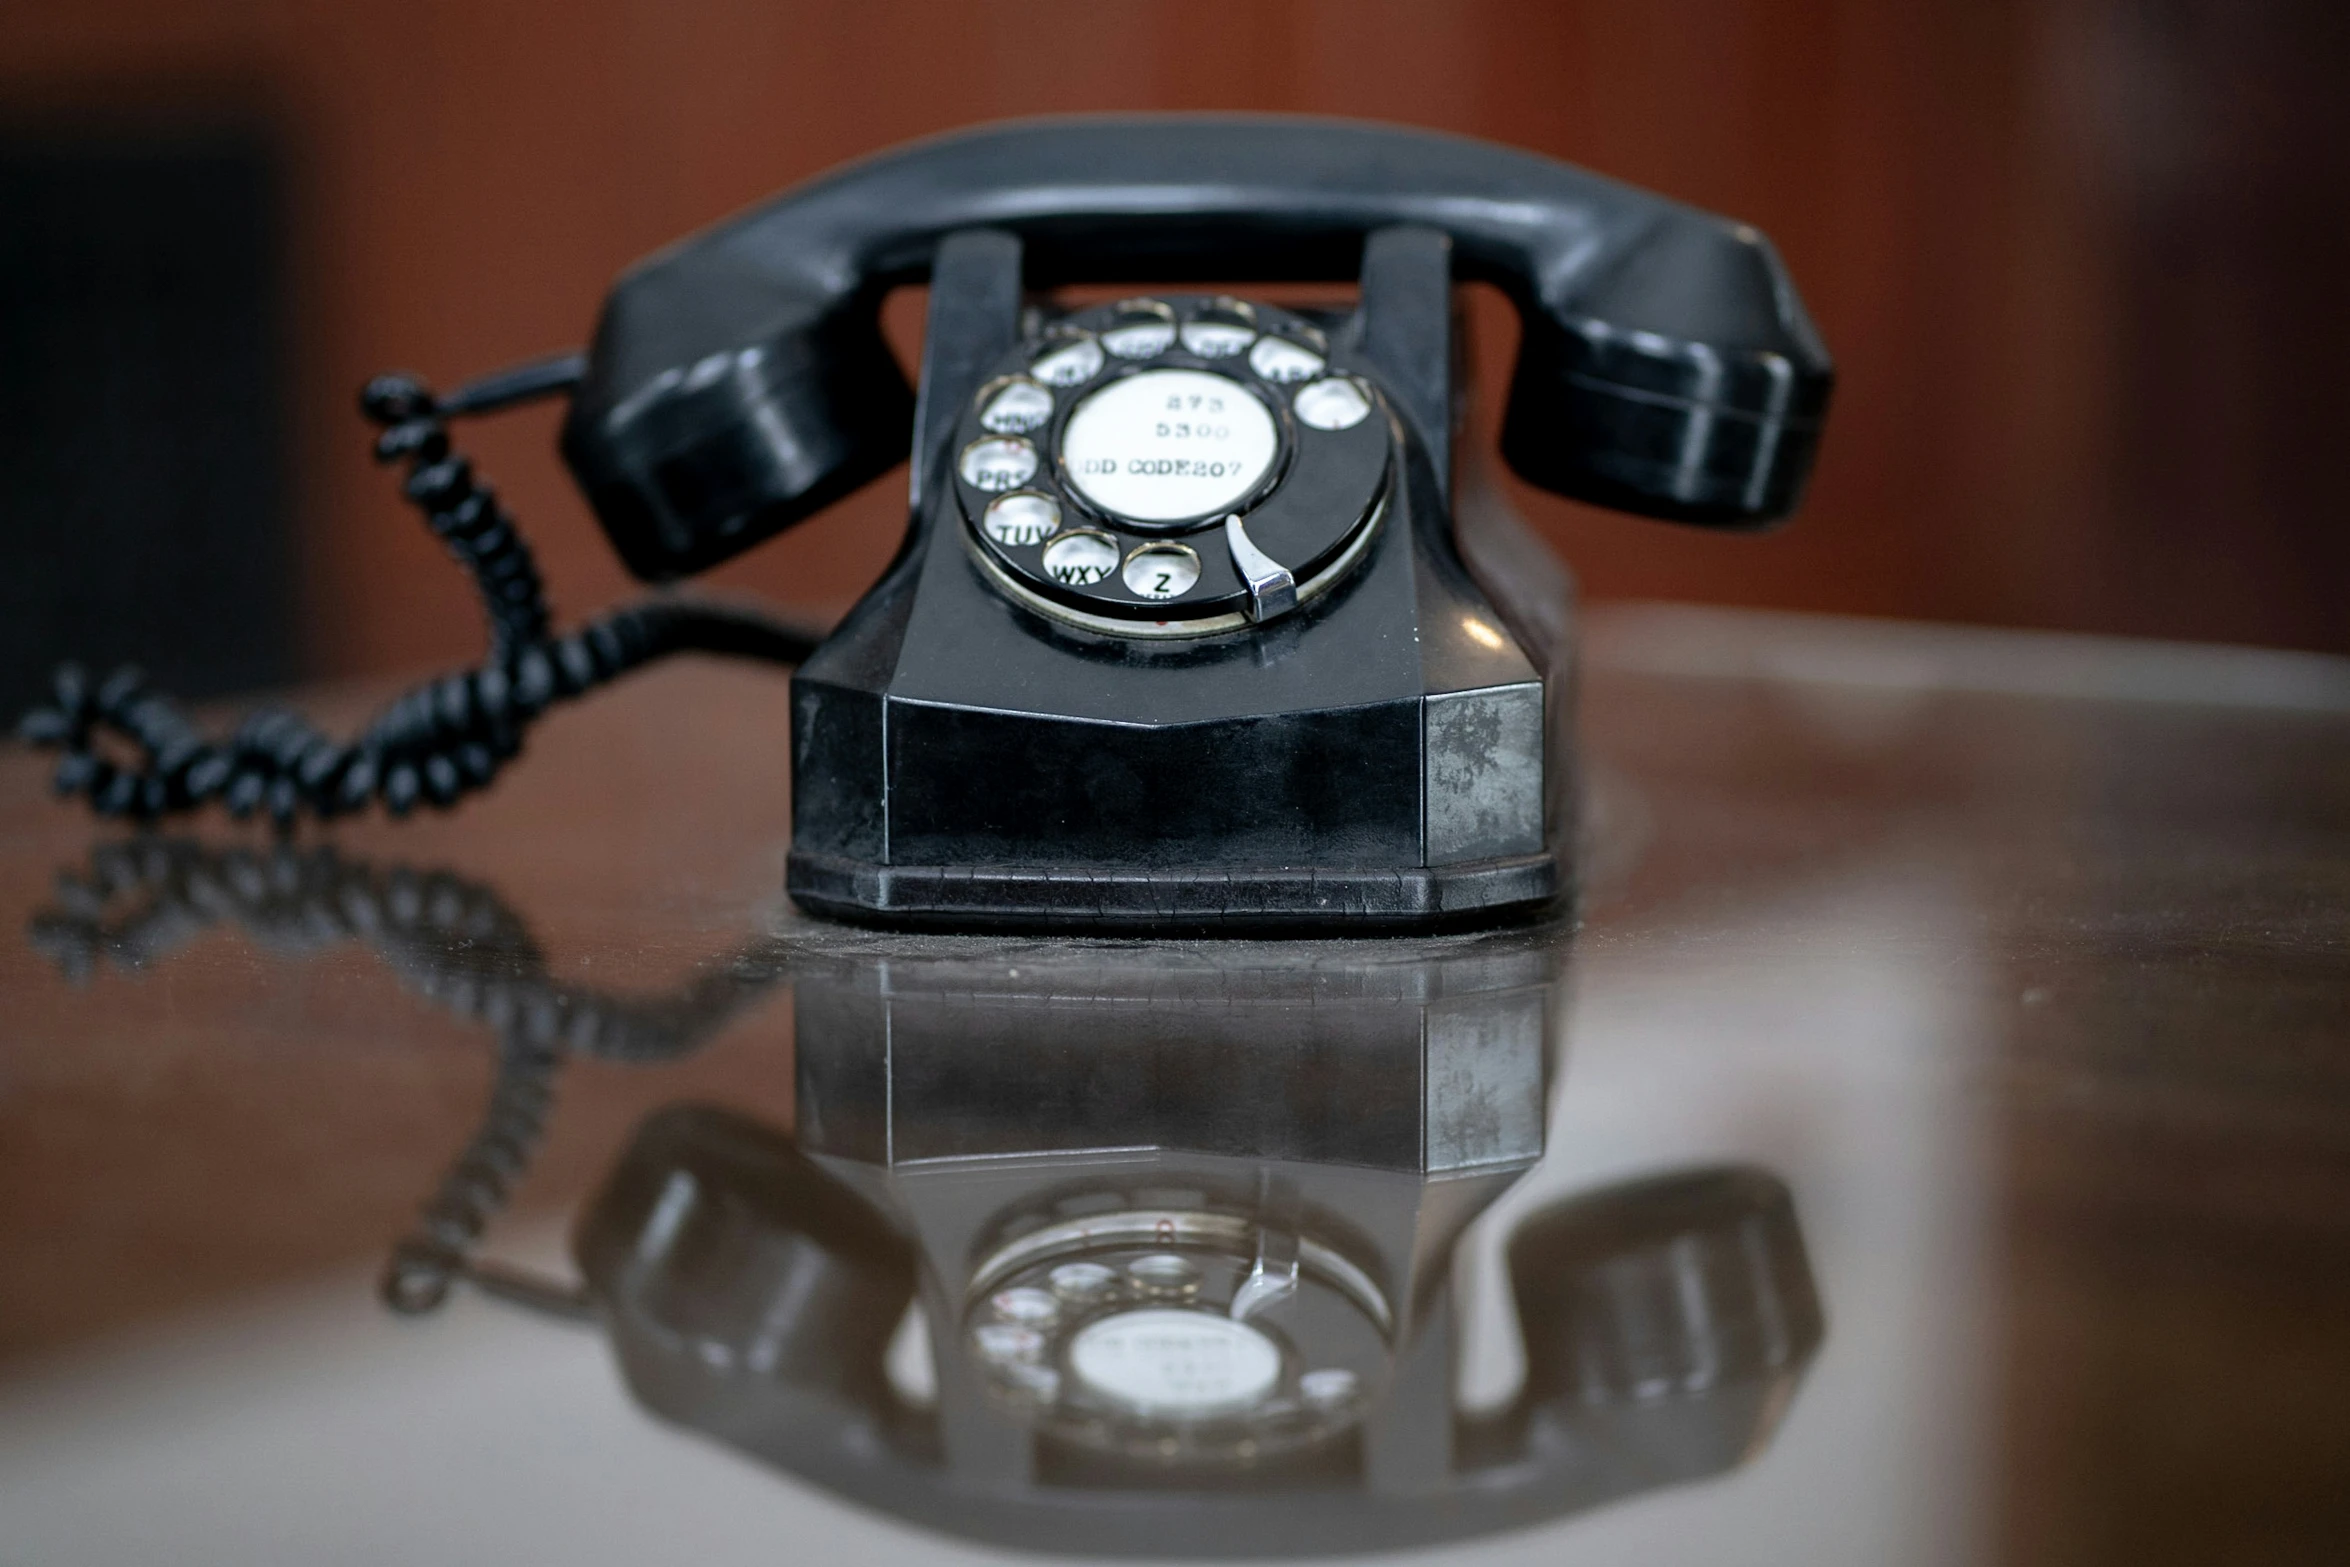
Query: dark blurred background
2081, 263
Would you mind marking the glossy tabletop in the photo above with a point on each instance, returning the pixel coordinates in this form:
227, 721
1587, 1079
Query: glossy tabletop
1932, 1146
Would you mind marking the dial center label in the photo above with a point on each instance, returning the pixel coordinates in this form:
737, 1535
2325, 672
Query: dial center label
1166, 445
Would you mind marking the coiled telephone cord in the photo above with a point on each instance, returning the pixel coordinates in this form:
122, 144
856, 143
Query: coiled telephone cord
440, 741
454, 942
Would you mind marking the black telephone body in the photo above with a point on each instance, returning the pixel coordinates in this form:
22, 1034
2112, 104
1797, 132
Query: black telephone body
1181, 1237
1192, 626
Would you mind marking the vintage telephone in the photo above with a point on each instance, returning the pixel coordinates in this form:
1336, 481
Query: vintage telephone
1193, 626
1099, 1249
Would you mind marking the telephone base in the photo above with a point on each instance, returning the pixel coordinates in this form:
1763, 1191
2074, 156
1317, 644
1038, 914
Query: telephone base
1272, 900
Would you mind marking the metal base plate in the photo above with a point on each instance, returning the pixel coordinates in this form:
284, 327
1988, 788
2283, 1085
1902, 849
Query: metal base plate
1280, 899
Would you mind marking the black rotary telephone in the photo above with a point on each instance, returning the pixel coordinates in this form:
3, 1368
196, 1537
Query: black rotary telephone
1191, 627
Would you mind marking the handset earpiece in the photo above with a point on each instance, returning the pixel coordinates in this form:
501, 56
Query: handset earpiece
1683, 381
700, 459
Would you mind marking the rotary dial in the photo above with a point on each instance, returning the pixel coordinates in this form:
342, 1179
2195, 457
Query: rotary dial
1172, 467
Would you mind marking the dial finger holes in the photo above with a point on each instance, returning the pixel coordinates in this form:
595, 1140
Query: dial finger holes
1003, 463
1030, 1308
1005, 1342
1222, 328
1281, 361
1013, 406
1080, 559
1333, 403
1020, 520
1164, 1273
1070, 364
1161, 571
1041, 1383
1144, 327
1328, 1387
1083, 1281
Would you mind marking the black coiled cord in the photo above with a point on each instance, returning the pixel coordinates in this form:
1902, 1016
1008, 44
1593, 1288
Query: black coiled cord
453, 941
440, 741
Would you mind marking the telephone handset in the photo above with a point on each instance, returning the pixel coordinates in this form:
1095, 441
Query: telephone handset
739, 381
1191, 629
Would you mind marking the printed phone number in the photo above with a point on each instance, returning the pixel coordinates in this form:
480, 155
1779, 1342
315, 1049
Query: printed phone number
1164, 467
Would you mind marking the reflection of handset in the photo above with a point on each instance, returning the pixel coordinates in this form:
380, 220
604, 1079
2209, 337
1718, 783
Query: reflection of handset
1189, 629
751, 1295
719, 1252
1666, 1322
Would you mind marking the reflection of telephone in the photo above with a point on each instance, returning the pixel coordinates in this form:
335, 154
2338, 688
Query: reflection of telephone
1184, 632
1108, 1249
1110, 1258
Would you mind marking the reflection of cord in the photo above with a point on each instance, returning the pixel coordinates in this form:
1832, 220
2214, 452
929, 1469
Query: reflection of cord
441, 740
425, 1263
448, 939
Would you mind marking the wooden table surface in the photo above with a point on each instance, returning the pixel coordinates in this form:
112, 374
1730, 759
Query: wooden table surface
2023, 960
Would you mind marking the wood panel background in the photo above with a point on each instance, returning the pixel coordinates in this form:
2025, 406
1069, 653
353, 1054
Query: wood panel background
2076, 258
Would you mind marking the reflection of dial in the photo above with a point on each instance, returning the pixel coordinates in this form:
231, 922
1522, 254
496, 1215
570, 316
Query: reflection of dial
1131, 1331
1172, 467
